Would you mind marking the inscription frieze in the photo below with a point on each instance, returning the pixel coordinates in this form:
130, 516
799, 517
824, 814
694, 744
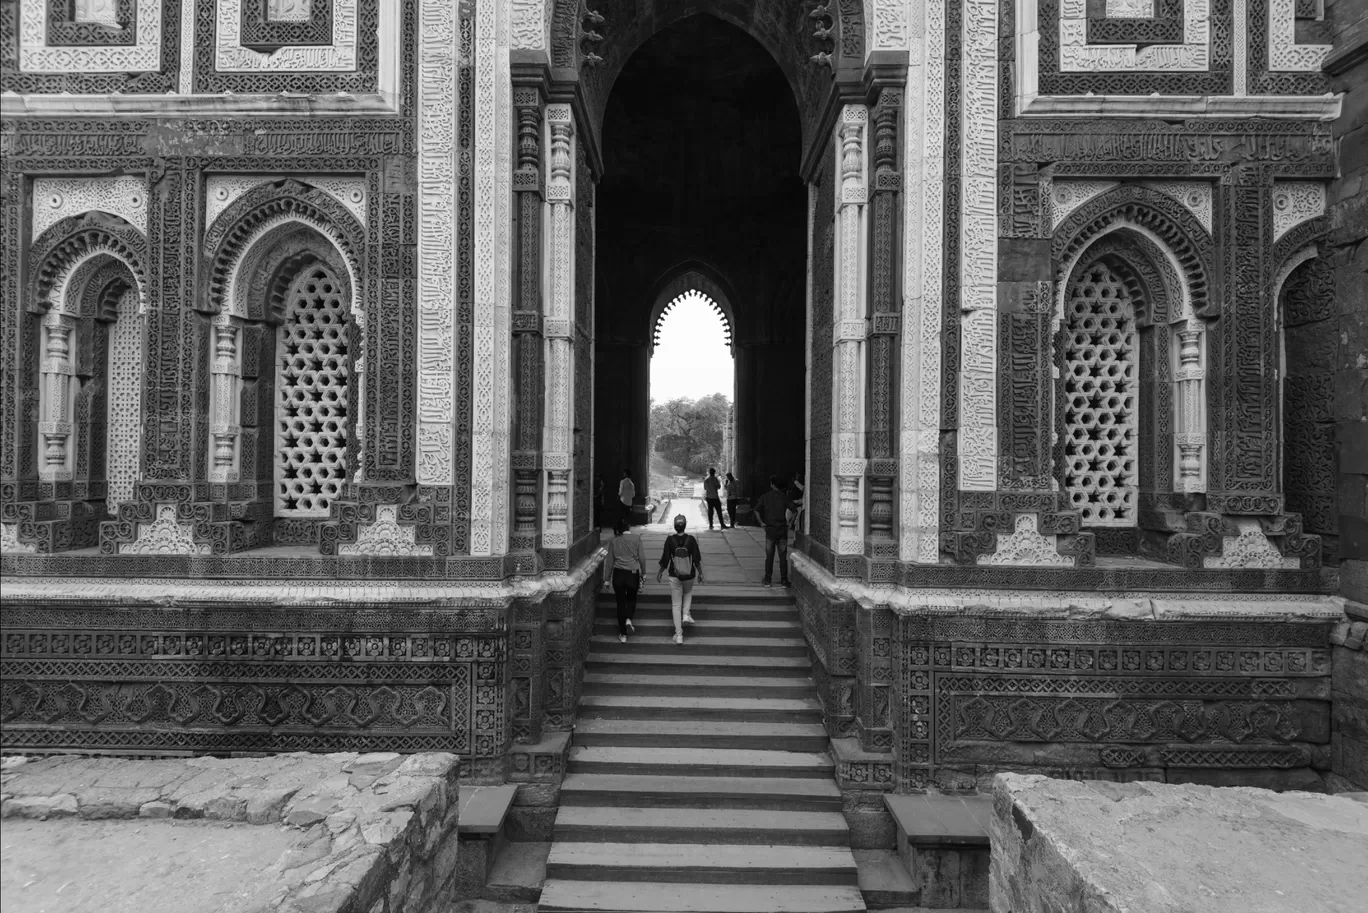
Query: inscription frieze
1224, 142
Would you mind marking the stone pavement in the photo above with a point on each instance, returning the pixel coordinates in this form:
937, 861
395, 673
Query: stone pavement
283, 834
731, 556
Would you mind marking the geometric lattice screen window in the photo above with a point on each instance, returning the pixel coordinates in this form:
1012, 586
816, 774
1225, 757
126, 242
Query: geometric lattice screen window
1099, 392
123, 404
311, 397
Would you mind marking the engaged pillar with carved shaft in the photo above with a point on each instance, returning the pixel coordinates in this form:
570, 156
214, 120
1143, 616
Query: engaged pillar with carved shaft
559, 327
881, 545
1191, 418
527, 330
56, 425
849, 333
225, 429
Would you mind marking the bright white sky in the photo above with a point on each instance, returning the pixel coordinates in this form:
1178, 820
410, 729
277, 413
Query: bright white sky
692, 359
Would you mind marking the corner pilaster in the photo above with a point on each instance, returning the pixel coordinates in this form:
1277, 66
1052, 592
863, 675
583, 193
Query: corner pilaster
849, 332
558, 330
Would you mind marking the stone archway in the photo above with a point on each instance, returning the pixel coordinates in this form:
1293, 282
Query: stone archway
702, 139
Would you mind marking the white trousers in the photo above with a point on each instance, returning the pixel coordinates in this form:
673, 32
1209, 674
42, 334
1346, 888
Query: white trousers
681, 598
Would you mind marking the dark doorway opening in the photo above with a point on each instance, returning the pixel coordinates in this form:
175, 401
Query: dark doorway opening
701, 145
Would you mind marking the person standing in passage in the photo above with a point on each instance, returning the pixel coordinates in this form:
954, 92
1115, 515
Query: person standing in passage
626, 493
772, 509
733, 492
795, 496
712, 485
684, 563
628, 562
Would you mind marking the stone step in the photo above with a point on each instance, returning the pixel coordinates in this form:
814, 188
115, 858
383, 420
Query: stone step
608, 657
665, 791
727, 685
711, 594
706, 644
566, 895
619, 824
706, 863
608, 611
709, 625
885, 881
702, 734
700, 762
700, 708
518, 873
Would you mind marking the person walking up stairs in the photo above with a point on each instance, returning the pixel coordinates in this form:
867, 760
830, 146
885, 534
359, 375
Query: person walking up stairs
699, 776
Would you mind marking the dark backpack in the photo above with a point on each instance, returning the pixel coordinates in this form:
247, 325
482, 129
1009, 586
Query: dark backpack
681, 562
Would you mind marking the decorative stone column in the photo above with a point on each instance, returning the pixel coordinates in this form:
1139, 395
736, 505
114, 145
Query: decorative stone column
1189, 379
881, 545
56, 426
527, 327
225, 428
558, 328
849, 331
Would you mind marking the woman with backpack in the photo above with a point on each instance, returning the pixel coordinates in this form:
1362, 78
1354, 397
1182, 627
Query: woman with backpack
684, 563
627, 561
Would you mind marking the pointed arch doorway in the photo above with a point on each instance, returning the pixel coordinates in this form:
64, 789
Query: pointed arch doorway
702, 143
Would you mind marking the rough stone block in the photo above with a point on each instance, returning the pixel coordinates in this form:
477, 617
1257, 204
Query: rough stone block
1091, 847
871, 826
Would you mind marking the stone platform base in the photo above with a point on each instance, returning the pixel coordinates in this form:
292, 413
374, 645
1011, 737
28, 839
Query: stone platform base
1153, 848
291, 833
940, 690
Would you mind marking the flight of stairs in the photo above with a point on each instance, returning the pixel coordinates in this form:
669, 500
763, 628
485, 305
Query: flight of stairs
699, 775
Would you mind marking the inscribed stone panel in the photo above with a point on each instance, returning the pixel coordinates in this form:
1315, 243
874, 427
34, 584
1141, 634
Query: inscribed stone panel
1081, 54
344, 59
135, 49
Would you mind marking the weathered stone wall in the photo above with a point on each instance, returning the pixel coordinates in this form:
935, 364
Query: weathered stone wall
1347, 243
1349, 701
377, 832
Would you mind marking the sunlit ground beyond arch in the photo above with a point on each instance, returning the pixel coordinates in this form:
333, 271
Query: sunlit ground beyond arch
693, 356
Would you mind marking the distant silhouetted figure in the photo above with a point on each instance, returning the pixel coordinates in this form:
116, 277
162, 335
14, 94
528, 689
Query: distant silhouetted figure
795, 495
733, 492
626, 493
773, 508
711, 486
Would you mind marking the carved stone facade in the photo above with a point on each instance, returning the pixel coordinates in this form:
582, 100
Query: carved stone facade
343, 291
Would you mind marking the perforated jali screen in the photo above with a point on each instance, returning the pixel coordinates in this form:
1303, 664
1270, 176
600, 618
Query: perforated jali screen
311, 395
1099, 398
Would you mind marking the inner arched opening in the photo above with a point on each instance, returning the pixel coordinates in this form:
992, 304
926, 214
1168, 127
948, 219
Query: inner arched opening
701, 191
692, 390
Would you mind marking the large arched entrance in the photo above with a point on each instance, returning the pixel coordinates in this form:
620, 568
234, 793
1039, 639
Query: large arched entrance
702, 141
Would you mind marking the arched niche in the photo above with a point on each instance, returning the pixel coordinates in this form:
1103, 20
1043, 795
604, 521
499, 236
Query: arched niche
1310, 344
1130, 416
286, 353
82, 381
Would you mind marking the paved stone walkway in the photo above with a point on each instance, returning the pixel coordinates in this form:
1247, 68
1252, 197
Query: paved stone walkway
731, 556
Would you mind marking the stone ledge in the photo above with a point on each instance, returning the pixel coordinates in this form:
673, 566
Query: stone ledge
1074, 605
371, 832
1095, 847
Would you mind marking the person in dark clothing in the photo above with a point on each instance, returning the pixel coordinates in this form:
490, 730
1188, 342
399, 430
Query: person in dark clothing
680, 550
712, 487
627, 561
773, 510
733, 492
